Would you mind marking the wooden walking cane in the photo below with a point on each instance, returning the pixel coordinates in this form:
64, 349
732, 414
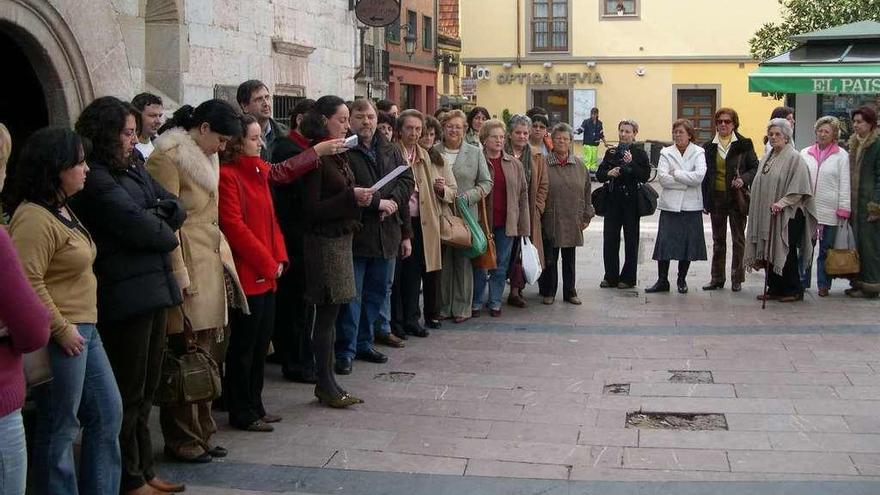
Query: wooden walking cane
767, 256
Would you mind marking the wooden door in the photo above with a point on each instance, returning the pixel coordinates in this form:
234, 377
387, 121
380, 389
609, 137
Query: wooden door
698, 106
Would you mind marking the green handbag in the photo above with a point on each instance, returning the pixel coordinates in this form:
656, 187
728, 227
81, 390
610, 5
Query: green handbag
478, 237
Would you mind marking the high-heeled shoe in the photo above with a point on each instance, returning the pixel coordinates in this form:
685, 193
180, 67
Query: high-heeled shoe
340, 401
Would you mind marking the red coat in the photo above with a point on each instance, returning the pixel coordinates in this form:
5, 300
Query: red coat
247, 218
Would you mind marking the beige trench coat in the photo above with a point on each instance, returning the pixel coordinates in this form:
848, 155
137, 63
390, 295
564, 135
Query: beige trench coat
203, 256
425, 173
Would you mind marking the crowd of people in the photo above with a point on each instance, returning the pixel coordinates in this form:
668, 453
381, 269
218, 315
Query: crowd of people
135, 242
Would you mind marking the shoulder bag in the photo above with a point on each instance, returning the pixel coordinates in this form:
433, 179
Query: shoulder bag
647, 198
190, 377
487, 260
599, 198
478, 237
453, 231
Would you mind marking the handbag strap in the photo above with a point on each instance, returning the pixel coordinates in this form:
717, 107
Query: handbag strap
485, 219
189, 337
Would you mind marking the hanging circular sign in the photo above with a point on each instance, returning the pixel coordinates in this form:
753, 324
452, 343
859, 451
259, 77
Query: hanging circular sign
377, 13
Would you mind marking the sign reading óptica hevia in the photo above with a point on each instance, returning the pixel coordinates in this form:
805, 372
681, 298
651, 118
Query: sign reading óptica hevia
377, 13
565, 78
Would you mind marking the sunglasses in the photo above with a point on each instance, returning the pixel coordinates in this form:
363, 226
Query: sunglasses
723, 121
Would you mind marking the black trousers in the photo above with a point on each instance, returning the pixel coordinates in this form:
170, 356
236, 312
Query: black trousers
627, 218
246, 358
790, 283
409, 277
325, 336
292, 337
548, 283
134, 347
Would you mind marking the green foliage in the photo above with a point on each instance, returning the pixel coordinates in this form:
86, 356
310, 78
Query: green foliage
505, 117
804, 16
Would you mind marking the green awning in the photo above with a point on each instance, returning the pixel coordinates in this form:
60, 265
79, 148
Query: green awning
831, 79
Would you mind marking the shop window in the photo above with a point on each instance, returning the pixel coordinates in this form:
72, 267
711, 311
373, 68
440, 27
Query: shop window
698, 106
621, 8
550, 25
427, 33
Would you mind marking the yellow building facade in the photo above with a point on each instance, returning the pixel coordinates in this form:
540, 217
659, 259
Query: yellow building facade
651, 61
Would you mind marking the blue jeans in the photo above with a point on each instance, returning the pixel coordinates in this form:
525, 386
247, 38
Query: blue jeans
829, 232
373, 278
82, 393
13, 455
496, 278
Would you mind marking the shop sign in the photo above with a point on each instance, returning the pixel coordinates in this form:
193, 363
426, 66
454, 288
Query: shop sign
856, 85
560, 78
377, 13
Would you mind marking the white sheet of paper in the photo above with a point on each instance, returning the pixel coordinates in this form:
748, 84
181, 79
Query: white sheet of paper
390, 177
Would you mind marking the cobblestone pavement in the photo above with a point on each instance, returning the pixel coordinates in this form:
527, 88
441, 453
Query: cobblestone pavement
518, 404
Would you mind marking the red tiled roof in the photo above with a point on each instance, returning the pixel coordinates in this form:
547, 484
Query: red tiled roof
447, 22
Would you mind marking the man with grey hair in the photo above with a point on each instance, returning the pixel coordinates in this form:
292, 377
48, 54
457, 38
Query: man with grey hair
385, 234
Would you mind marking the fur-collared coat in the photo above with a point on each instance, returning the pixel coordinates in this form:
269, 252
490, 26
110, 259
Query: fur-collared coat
203, 261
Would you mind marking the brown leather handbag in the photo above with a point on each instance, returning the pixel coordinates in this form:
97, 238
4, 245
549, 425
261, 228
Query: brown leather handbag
487, 260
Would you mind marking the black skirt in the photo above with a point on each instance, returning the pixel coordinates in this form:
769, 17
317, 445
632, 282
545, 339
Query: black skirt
680, 237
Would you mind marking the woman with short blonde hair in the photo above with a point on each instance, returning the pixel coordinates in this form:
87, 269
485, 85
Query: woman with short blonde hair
829, 170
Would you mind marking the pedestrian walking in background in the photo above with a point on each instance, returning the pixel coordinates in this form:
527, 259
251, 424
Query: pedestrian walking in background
593, 133
680, 234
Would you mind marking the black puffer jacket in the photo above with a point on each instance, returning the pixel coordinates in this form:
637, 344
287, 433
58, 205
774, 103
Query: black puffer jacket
133, 222
622, 190
741, 155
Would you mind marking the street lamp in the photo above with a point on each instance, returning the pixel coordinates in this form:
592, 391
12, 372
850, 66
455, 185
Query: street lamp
409, 41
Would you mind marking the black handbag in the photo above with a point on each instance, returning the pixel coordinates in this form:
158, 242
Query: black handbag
647, 197
599, 198
188, 377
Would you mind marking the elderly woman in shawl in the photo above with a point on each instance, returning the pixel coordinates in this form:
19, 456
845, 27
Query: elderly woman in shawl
781, 216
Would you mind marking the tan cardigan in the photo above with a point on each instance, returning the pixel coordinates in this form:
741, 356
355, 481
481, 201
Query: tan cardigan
57, 260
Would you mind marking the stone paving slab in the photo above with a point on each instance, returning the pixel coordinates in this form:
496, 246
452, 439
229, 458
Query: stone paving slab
787, 422
791, 462
679, 459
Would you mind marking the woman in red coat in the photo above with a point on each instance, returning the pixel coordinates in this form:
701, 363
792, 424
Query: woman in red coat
247, 218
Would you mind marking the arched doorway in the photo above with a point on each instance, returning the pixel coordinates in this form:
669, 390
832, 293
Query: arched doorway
23, 107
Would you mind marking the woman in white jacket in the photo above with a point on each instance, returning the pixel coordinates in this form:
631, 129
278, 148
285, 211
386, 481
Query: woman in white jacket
680, 235
829, 176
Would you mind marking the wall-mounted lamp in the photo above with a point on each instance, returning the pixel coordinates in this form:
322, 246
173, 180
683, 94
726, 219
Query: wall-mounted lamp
641, 71
548, 65
591, 64
507, 65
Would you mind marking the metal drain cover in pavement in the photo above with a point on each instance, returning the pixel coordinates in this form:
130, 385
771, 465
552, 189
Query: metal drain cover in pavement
676, 421
395, 376
687, 376
616, 389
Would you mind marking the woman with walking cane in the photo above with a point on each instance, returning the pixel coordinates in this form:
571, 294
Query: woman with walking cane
781, 217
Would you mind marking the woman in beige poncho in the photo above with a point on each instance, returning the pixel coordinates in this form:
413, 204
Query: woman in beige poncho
781, 204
